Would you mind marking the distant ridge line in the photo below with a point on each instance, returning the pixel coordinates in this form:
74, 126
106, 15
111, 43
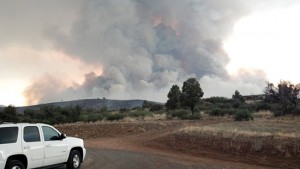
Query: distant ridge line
96, 104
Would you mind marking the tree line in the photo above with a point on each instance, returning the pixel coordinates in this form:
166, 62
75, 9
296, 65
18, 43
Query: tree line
183, 103
46, 114
281, 99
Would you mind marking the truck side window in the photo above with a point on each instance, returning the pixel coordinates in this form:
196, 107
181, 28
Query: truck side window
50, 134
8, 135
31, 134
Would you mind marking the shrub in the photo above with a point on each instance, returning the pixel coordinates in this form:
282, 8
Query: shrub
243, 115
180, 114
216, 112
296, 111
103, 109
123, 110
262, 106
184, 115
94, 118
275, 107
236, 104
115, 117
138, 114
156, 107
278, 113
193, 117
229, 111
217, 100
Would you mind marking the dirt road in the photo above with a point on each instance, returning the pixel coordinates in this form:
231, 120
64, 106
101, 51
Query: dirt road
131, 145
120, 159
101, 158
127, 153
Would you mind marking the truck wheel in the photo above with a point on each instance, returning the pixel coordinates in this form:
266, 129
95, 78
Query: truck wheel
14, 164
74, 160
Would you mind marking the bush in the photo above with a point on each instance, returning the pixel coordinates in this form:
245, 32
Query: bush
218, 100
262, 106
184, 115
138, 114
103, 109
193, 117
123, 110
236, 104
180, 114
115, 117
243, 115
94, 118
216, 112
229, 111
276, 107
156, 107
278, 113
296, 111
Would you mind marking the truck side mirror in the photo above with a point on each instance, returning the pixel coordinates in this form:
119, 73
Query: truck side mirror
63, 136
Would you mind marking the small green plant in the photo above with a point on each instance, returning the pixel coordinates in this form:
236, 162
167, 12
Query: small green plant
243, 115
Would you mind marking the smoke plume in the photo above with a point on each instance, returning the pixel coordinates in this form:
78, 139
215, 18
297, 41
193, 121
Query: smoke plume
143, 47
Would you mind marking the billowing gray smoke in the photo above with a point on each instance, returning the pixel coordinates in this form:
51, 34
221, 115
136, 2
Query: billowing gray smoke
144, 46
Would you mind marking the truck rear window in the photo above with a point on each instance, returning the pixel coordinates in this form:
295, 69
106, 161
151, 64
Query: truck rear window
8, 135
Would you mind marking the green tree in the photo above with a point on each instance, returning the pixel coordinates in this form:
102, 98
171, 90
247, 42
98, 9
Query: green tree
191, 93
270, 93
10, 110
10, 114
237, 96
77, 112
237, 99
285, 93
48, 111
174, 96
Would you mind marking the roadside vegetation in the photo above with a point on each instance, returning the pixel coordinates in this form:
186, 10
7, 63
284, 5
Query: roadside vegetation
182, 104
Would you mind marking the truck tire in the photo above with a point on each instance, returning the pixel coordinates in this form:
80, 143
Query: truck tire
15, 164
74, 160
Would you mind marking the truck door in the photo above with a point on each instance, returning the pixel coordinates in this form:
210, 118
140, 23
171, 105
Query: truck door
33, 146
56, 149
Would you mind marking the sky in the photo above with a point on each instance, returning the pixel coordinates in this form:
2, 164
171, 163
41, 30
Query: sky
52, 50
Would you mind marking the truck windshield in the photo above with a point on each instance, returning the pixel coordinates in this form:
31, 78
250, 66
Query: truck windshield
8, 135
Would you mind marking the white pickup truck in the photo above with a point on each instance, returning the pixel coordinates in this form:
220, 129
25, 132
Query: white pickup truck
26, 145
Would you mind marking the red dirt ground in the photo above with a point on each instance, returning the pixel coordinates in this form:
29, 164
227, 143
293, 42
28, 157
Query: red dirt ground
158, 137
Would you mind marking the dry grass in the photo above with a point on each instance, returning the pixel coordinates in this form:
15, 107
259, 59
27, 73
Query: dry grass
156, 117
264, 114
247, 129
152, 117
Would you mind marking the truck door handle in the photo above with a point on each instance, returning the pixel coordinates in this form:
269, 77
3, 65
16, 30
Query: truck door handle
48, 145
27, 147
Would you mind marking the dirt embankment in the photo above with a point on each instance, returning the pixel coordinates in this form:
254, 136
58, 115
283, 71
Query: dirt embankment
282, 153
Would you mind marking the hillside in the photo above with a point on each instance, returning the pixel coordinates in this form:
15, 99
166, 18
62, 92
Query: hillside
96, 104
